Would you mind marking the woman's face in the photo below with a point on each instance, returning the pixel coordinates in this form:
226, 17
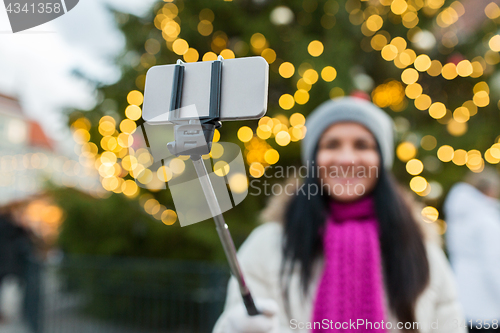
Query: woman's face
348, 161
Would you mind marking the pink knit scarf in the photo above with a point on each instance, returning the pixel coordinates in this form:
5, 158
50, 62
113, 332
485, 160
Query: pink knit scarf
351, 287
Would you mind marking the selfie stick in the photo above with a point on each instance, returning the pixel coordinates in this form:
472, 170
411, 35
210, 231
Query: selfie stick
190, 140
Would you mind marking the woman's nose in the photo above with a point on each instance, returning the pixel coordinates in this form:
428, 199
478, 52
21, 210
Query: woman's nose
347, 156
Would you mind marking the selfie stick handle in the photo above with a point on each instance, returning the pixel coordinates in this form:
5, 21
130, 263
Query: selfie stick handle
190, 140
224, 234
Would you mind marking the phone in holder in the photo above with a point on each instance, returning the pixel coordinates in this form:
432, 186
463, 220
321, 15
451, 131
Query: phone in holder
244, 87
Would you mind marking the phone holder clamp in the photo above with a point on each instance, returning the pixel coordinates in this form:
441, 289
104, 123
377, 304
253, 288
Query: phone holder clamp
189, 140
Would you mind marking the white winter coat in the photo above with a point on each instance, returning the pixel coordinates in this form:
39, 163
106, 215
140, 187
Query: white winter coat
473, 241
260, 257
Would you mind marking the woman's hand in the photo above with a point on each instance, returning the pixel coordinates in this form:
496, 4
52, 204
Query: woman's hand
268, 322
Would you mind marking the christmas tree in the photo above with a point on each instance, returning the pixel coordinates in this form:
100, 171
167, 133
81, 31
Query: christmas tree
431, 64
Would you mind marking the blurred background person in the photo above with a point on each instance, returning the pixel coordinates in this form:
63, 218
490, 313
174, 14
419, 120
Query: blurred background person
6, 253
16, 251
473, 239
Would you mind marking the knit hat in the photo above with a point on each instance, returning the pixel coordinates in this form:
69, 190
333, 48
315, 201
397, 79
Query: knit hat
350, 109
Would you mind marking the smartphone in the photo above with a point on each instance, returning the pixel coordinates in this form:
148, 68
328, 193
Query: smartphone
244, 88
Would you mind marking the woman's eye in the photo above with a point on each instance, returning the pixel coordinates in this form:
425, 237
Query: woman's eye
330, 145
364, 145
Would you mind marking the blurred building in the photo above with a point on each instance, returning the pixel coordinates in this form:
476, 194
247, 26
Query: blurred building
29, 162
25, 151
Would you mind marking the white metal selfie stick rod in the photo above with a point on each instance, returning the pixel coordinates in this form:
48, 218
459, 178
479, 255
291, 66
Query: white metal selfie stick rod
190, 140
224, 235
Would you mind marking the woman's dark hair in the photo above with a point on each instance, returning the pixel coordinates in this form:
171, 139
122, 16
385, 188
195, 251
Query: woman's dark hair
406, 268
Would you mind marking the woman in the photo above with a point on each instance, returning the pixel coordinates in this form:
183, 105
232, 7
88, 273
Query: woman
473, 214
347, 252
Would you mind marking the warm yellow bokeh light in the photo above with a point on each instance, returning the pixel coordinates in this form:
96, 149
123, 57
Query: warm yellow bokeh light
414, 167
164, 173
449, 71
481, 99
409, 76
81, 136
144, 176
245, 134
258, 41
494, 43
264, 132
238, 183
286, 101
282, 138
130, 188
492, 155
461, 114
83, 123
205, 27
460, 157
180, 46
428, 142
125, 140
492, 11
286, 70
437, 110
302, 84
209, 56
310, 76
271, 156
418, 184
301, 96
374, 22
221, 168
128, 126
168, 217
378, 42
410, 19
133, 112
108, 158
471, 107
430, 213
217, 150
481, 86
389, 52
456, 128
413, 90
256, 170
135, 97
336, 92
398, 7
328, 73
216, 137
399, 43
297, 119
109, 143
227, 54
422, 63
435, 68
464, 68
315, 48
129, 162
269, 55
495, 150
110, 183
423, 102
445, 153
406, 151
177, 165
